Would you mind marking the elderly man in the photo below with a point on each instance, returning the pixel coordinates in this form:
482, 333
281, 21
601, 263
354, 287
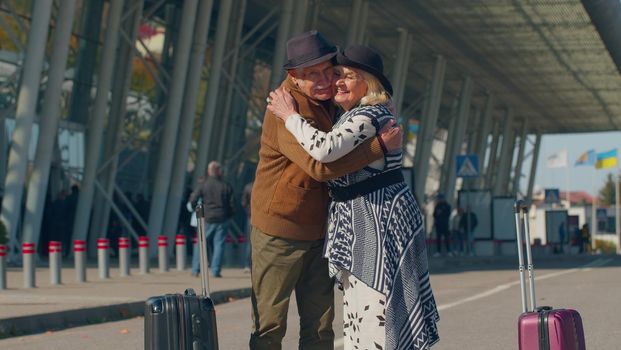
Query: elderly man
289, 205
217, 197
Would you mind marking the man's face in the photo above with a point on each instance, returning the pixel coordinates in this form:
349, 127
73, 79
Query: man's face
315, 81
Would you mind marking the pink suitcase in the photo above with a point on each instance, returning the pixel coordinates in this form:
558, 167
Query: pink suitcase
542, 328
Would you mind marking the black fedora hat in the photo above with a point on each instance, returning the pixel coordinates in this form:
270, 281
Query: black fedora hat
367, 59
308, 49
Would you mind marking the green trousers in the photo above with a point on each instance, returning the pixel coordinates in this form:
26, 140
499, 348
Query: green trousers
280, 266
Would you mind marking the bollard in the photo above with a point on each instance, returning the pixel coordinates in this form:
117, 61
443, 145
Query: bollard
2, 266
194, 246
55, 255
181, 252
143, 254
103, 244
79, 251
28, 252
162, 247
124, 256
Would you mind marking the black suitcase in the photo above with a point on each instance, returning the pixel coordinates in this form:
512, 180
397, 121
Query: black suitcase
183, 321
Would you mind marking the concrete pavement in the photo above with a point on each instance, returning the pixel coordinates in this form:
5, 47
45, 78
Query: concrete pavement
48, 308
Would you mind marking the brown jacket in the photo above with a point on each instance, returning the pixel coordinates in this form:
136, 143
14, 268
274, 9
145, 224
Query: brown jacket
289, 199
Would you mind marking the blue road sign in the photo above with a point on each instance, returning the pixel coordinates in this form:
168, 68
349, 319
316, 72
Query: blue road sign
552, 196
468, 166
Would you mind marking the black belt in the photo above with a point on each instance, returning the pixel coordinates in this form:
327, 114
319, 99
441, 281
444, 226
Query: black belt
372, 184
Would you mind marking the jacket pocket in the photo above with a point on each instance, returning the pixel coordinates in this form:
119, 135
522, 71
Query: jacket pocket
298, 204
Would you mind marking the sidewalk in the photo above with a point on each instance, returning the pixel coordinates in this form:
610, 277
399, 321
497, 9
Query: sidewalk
46, 307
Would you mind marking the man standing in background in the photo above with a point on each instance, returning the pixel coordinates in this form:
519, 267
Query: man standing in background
217, 197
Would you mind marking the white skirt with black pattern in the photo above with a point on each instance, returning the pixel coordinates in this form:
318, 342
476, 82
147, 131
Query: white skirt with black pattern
364, 313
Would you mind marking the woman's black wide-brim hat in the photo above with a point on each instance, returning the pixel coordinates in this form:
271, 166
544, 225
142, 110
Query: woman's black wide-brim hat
367, 59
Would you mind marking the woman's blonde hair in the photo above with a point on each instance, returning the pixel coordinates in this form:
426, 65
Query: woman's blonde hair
376, 94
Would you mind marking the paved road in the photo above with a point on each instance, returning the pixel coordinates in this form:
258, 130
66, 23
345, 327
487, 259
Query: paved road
478, 310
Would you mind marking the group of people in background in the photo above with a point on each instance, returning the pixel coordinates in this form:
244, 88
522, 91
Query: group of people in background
454, 228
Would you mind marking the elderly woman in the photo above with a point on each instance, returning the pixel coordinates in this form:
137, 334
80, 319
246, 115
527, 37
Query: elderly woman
376, 238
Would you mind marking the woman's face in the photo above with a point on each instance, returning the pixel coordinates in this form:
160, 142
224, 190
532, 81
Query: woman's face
350, 87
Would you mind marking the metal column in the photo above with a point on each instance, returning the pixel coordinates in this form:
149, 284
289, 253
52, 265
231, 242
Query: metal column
428, 123
506, 154
224, 123
24, 117
533, 168
188, 112
493, 156
97, 122
354, 19
485, 126
362, 24
171, 123
116, 114
448, 146
90, 28
358, 22
399, 77
280, 45
213, 87
298, 23
48, 126
507, 179
458, 135
517, 174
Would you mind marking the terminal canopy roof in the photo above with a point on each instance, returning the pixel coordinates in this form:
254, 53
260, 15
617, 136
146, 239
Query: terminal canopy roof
543, 58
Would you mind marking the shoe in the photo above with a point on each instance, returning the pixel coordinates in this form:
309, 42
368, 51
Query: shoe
217, 276
246, 270
435, 255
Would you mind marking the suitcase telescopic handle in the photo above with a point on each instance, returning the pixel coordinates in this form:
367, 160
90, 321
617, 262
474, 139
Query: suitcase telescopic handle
521, 224
202, 248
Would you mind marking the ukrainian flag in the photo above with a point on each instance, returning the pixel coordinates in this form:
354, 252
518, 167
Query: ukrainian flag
606, 159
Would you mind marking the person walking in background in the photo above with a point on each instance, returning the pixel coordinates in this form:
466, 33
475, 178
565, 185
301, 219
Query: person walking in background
468, 223
290, 205
441, 215
217, 199
585, 239
457, 235
245, 203
376, 238
562, 236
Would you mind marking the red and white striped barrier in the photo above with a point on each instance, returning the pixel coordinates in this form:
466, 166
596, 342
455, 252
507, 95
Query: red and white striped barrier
180, 246
103, 245
143, 254
55, 250
124, 250
28, 256
3, 251
79, 254
162, 250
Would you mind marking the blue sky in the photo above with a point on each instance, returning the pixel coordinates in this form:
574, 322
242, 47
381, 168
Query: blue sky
580, 177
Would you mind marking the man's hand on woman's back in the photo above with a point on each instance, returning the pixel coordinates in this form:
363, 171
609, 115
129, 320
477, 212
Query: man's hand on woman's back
391, 136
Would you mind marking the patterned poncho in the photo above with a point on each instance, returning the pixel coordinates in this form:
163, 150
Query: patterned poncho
378, 237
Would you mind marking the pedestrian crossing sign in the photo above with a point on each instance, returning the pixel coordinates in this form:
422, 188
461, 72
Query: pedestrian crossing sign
468, 166
552, 196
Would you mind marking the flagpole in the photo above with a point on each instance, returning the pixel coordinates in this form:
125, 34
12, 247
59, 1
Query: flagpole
593, 211
567, 186
617, 207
